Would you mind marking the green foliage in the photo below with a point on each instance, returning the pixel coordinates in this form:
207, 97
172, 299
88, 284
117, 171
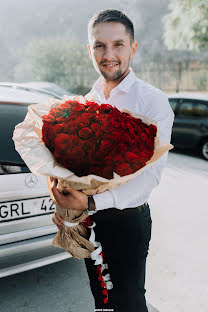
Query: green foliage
186, 26
52, 59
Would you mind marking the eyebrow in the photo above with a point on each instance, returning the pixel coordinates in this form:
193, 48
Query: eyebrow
100, 42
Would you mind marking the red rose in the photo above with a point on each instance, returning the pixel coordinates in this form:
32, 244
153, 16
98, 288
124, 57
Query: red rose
123, 148
105, 147
60, 150
87, 145
48, 134
84, 119
96, 171
108, 172
108, 160
132, 157
73, 140
123, 169
116, 136
118, 159
105, 108
96, 129
76, 153
78, 107
153, 129
48, 118
60, 128
61, 139
85, 133
91, 107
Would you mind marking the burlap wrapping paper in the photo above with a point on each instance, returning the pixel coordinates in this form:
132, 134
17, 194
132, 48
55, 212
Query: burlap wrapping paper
73, 239
27, 138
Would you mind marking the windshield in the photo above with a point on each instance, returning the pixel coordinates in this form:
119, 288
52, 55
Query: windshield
10, 116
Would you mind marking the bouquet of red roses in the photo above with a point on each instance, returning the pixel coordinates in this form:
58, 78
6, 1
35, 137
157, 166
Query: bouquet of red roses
97, 139
88, 147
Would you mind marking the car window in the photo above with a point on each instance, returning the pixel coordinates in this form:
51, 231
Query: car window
173, 104
186, 109
10, 116
201, 109
193, 108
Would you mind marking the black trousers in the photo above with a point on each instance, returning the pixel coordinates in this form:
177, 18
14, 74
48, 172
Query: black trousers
125, 236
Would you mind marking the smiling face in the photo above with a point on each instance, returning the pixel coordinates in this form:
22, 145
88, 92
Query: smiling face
111, 50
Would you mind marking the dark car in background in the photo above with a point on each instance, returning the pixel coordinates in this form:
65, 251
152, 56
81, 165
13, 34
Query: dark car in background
26, 227
190, 128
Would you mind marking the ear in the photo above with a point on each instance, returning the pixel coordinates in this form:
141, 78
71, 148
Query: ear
89, 50
134, 48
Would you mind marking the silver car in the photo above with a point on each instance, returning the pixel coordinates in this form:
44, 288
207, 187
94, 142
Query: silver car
26, 227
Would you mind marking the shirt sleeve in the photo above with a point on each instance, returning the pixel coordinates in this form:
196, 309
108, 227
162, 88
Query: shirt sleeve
138, 190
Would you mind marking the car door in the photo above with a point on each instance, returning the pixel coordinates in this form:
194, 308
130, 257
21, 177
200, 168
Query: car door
186, 125
201, 112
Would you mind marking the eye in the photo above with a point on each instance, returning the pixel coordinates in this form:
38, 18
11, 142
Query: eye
99, 46
119, 44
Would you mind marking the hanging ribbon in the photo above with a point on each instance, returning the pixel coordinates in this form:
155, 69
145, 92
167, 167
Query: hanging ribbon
97, 256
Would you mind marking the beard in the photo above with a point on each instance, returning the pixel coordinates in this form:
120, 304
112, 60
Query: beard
119, 73
114, 76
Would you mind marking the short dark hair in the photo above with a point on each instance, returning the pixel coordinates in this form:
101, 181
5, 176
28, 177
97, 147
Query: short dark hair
111, 15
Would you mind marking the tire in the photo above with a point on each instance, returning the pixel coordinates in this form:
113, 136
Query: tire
204, 149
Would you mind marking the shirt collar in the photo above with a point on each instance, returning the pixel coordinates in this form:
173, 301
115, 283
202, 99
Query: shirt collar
125, 85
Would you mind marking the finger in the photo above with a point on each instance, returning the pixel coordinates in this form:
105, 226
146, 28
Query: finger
57, 194
53, 181
60, 219
57, 222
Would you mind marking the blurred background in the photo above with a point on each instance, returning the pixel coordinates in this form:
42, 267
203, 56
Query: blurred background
43, 52
47, 41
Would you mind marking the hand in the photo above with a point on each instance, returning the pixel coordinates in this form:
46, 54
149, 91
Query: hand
58, 220
75, 200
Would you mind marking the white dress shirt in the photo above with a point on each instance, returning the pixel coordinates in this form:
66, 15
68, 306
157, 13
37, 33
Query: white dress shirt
144, 99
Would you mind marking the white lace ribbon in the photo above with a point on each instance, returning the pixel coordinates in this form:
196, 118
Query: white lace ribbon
95, 255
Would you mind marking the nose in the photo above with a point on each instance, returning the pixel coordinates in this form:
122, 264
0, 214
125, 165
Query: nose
108, 54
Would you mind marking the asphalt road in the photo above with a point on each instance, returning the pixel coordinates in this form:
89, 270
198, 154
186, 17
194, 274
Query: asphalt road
59, 287
176, 279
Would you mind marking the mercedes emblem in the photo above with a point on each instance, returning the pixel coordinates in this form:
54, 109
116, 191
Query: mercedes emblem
31, 180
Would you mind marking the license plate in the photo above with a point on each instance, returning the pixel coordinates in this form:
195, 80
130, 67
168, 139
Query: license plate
26, 208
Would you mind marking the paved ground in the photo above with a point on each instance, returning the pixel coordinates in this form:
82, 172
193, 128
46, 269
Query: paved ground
60, 287
176, 277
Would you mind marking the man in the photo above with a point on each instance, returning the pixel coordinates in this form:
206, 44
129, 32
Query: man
123, 220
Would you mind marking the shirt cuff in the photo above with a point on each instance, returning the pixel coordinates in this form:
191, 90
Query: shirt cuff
104, 200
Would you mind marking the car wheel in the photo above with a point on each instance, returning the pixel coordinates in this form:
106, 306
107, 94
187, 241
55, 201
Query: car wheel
204, 149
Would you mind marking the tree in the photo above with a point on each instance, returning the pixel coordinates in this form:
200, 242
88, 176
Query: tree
186, 26
52, 59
